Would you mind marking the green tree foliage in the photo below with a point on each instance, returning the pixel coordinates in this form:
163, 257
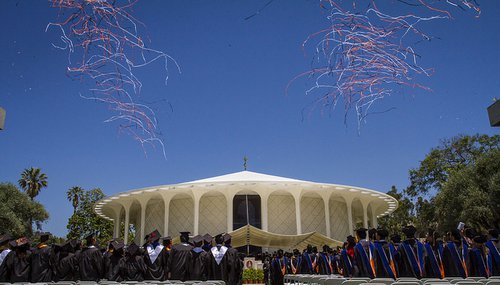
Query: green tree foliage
403, 215
16, 210
73, 194
452, 155
32, 181
472, 194
85, 221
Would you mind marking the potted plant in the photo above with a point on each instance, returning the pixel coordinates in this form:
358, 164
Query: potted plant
259, 276
247, 275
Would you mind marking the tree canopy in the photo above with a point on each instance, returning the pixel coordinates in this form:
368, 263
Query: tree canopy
85, 221
32, 181
16, 210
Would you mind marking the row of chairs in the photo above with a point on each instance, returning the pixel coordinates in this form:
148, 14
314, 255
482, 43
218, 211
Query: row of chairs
339, 280
105, 282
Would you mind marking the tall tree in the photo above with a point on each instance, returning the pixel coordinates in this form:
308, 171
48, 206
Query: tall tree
73, 195
32, 181
85, 220
402, 216
16, 208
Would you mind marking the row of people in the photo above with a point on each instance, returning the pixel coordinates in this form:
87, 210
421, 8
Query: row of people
370, 254
194, 259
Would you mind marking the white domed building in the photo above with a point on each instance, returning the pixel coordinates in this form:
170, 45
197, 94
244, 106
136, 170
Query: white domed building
281, 211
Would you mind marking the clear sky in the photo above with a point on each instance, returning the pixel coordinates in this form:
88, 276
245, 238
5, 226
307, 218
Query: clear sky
229, 101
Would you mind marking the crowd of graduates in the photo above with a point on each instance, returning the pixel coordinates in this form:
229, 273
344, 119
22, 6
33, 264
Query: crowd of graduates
372, 253
198, 258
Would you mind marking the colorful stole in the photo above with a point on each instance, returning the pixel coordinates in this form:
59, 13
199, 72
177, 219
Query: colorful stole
385, 261
436, 264
459, 262
299, 261
347, 262
310, 265
492, 255
367, 261
416, 261
327, 263
481, 266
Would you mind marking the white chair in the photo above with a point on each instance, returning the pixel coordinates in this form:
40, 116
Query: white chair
354, 281
334, 281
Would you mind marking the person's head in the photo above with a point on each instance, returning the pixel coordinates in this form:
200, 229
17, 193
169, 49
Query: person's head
167, 241
479, 240
227, 239
309, 248
409, 231
198, 241
326, 248
396, 239
280, 253
382, 234
429, 236
118, 247
372, 234
351, 241
219, 239
154, 237
21, 244
44, 237
184, 237
91, 239
454, 235
4, 241
132, 249
361, 233
493, 234
470, 233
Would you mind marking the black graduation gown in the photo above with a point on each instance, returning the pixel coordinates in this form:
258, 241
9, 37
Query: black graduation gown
278, 265
4, 274
90, 264
18, 266
405, 268
491, 245
179, 261
432, 262
199, 264
235, 266
112, 266
295, 264
380, 270
165, 253
308, 266
451, 267
363, 269
324, 264
154, 270
41, 265
219, 271
133, 268
477, 265
66, 267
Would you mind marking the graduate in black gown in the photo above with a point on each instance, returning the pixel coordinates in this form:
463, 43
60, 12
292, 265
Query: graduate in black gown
180, 259
278, 268
324, 262
295, 262
199, 260
4, 251
153, 258
167, 246
65, 262
41, 266
410, 259
493, 246
90, 260
112, 262
385, 265
394, 248
308, 261
219, 264
454, 257
478, 265
347, 262
207, 242
132, 266
18, 262
433, 255
364, 255
236, 264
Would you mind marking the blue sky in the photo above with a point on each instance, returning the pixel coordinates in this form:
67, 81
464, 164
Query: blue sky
229, 101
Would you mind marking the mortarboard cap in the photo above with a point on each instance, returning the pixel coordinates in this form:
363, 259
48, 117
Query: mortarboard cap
117, 245
207, 238
44, 234
5, 238
90, 236
383, 233
219, 239
480, 239
154, 235
227, 237
167, 238
198, 239
133, 248
409, 231
21, 241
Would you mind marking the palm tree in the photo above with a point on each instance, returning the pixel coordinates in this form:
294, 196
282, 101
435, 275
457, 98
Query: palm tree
32, 181
74, 194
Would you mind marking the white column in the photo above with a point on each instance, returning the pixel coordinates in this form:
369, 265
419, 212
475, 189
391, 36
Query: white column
264, 211
196, 213
374, 219
327, 216
126, 205
365, 213
229, 212
297, 214
348, 201
166, 201
144, 204
116, 222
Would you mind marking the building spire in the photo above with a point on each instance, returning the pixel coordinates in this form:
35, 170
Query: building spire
245, 159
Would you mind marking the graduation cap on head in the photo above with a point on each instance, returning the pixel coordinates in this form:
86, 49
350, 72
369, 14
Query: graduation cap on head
90, 236
470, 233
21, 241
117, 245
219, 239
409, 231
184, 236
395, 238
383, 233
207, 238
480, 239
154, 235
167, 238
227, 237
5, 238
133, 248
197, 240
